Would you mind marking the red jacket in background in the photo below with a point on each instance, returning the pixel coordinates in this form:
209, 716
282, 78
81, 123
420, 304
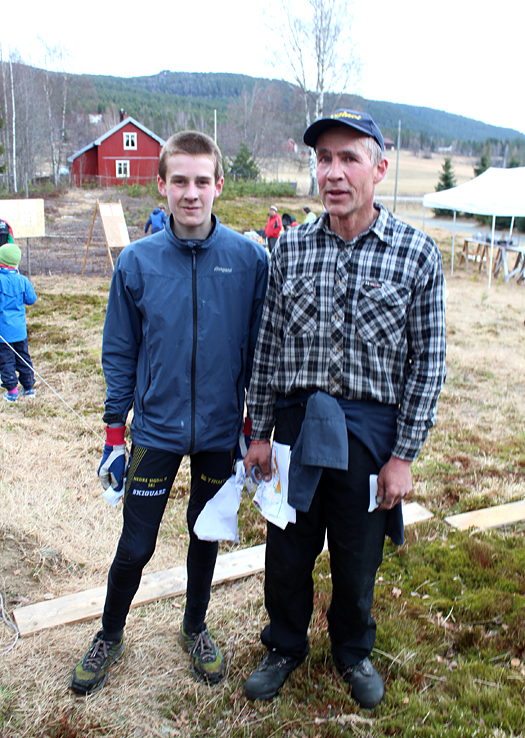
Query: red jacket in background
274, 226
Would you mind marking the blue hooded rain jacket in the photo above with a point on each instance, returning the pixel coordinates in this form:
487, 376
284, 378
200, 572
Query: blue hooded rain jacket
179, 337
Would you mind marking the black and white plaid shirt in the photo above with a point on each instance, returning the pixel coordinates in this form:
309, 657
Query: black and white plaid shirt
363, 320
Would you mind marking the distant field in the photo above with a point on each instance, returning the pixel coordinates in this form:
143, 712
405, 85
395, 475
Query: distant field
417, 175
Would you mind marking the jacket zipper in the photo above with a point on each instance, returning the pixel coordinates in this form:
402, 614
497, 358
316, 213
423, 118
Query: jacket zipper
194, 348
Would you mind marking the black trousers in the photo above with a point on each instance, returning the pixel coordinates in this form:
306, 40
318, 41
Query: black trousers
12, 364
150, 477
355, 540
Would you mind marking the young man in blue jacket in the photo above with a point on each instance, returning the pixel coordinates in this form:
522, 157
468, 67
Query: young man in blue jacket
180, 332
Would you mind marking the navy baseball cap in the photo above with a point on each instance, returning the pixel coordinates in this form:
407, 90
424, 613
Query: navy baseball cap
359, 121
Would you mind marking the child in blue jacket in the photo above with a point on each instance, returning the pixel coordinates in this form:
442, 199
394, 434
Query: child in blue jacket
16, 291
157, 220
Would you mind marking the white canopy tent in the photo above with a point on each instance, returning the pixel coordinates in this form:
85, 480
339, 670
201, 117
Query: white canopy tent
495, 192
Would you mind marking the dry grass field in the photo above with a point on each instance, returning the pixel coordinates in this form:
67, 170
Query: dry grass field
417, 174
57, 537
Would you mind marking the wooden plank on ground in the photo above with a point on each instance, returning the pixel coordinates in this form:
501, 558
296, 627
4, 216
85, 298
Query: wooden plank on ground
413, 513
489, 517
157, 586
160, 585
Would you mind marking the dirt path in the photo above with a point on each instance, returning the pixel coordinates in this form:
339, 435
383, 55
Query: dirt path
68, 223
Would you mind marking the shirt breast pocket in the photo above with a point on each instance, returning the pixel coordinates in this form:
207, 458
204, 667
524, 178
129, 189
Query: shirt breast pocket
300, 305
382, 313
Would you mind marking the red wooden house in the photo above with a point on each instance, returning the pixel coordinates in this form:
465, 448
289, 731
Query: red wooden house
129, 152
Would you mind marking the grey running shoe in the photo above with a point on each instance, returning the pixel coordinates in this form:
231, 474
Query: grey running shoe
207, 662
90, 674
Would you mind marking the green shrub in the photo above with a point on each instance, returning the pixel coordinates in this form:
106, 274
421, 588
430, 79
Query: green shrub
243, 188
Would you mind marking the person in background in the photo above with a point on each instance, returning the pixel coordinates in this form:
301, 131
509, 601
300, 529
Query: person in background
288, 221
273, 227
309, 215
6, 233
181, 326
349, 364
16, 291
157, 220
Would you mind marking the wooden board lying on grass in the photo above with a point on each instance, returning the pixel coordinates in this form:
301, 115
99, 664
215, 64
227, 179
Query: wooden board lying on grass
413, 512
157, 586
489, 517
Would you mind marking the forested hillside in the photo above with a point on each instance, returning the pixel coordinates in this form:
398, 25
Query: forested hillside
57, 114
199, 94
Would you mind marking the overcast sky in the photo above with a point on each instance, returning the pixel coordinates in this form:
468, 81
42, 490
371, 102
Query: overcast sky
453, 55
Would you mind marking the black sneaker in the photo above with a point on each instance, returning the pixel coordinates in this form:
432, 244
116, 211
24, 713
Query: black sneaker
269, 677
365, 683
207, 662
90, 674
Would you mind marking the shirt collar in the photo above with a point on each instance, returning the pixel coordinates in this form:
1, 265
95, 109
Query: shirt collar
382, 227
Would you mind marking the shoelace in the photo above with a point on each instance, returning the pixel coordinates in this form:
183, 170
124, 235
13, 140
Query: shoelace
98, 653
203, 645
275, 659
362, 666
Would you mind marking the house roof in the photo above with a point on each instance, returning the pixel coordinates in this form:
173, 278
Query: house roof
113, 130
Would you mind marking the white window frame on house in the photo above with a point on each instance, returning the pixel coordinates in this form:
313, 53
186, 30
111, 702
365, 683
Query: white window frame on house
130, 140
122, 168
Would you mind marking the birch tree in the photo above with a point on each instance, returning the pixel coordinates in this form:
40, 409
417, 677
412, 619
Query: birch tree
28, 122
23, 103
254, 118
55, 90
3, 166
316, 53
4, 129
13, 121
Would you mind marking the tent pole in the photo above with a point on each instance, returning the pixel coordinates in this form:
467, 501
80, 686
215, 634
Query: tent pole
492, 247
511, 228
453, 241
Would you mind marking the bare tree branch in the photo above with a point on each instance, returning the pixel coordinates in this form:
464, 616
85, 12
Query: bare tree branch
316, 52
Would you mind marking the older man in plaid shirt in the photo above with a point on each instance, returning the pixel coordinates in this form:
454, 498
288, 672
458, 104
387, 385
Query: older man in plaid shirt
354, 316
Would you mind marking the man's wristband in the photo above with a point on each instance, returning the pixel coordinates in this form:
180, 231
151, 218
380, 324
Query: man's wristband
115, 436
253, 442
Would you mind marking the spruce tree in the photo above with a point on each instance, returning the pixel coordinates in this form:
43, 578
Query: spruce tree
243, 166
483, 164
447, 179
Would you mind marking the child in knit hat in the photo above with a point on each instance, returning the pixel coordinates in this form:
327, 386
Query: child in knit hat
16, 291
